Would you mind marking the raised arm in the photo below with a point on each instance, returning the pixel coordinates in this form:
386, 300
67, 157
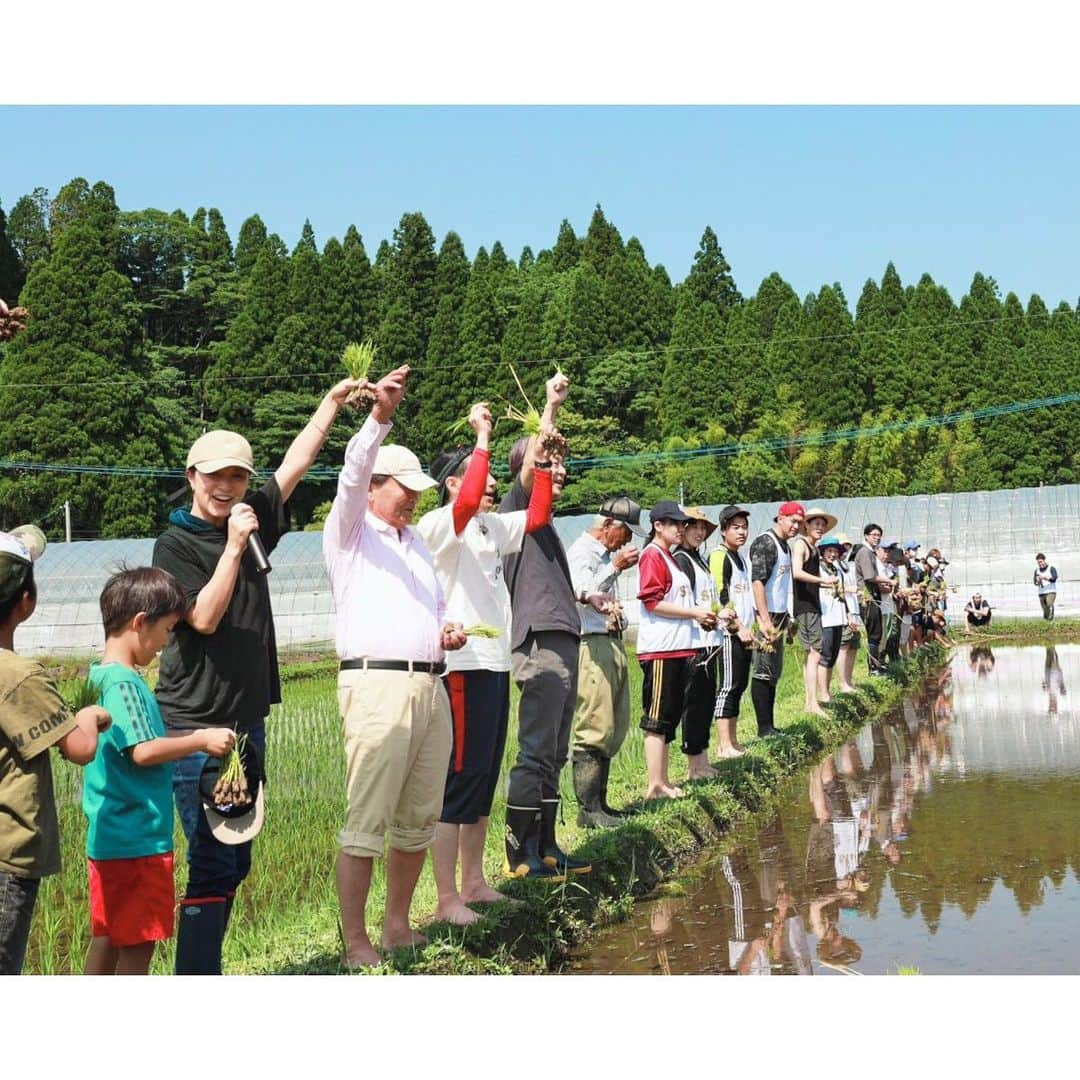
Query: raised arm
350, 503
557, 387
474, 483
305, 447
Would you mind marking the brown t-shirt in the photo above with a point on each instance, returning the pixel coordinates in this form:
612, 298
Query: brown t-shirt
33, 717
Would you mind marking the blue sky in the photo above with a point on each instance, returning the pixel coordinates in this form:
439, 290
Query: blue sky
818, 194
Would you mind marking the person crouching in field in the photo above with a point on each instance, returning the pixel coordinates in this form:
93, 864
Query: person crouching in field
127, 790
667, 613
33, 718
468, 543
391, 639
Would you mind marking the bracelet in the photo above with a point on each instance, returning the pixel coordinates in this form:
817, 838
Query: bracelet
324, 431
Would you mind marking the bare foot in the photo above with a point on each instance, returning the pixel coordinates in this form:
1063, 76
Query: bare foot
817, 712
847, 690
703, 772
484, 894
731, 752
664, 791
361, 955
407, 939
454, 911
823, 700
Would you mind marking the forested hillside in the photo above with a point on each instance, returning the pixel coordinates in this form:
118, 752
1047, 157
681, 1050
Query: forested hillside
148, 326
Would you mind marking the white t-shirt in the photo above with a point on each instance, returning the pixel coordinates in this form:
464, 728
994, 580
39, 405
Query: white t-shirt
470, 569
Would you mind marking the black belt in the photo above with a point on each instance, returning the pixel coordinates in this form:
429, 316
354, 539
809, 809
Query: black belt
604, 633
425, 667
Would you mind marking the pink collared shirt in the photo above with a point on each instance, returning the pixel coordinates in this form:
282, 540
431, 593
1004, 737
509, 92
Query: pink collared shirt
389, 602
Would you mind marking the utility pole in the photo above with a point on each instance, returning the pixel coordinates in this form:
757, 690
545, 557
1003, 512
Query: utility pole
67, 521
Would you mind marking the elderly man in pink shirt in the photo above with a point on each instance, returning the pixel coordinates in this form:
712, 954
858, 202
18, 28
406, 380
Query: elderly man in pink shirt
391, 637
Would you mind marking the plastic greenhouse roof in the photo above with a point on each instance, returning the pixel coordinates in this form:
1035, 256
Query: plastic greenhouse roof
989, 537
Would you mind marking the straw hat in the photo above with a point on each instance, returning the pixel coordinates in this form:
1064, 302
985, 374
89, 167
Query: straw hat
695, 513
818, 512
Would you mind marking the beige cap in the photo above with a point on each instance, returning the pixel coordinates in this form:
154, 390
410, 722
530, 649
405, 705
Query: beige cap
19, 550
220, 450
404, 466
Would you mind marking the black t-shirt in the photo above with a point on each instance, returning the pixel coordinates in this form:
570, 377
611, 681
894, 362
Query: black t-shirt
228, 678
541, 595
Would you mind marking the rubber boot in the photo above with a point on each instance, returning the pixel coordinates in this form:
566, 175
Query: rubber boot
523, 846
550, 851
763, 695
605, 764
588, 787
199, 936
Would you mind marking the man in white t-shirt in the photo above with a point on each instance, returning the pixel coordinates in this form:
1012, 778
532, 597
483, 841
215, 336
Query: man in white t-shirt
468, 543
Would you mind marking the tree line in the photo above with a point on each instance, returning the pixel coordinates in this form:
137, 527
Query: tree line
148, 327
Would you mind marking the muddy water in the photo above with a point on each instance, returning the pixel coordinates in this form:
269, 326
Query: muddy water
945, 838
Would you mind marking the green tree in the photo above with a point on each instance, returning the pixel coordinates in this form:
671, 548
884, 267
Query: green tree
28, 228
710, 280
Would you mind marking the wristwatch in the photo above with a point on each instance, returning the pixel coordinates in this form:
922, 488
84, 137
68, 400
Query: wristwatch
582, 597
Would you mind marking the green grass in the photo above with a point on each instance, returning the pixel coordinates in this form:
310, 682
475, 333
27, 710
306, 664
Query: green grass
286, 915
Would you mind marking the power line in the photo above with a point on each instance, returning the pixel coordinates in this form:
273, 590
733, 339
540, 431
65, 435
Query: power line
781, 442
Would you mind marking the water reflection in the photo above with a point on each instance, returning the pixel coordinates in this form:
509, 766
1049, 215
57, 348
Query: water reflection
943, 836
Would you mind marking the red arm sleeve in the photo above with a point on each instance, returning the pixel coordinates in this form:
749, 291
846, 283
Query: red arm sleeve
472, 489
539, 513
654, 577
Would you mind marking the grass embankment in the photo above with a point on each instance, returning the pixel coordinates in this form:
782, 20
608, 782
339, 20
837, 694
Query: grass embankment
1019, 632
285, 918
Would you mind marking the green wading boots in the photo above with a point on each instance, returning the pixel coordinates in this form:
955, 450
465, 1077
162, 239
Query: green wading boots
590, 787
523, 846
550, 851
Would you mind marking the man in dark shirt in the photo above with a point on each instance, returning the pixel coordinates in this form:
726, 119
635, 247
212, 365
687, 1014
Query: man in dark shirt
770, 580
220, 669
870, 584
545, 642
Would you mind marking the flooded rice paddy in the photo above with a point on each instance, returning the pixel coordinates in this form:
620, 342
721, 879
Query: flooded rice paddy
945, 838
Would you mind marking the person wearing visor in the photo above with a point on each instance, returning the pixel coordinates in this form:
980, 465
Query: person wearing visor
807, 583
33, 718
220, 667
468, 543
394, 705
602, 718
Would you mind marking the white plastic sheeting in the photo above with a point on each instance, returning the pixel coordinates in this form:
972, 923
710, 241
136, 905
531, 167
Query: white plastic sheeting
989, 537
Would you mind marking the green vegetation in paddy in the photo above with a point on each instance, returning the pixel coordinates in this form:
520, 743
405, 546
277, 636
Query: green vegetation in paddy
285, 919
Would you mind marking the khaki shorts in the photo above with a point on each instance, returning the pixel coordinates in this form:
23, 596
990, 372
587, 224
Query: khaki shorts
809, 623
397, 731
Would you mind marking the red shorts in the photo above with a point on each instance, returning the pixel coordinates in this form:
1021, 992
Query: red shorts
132, 901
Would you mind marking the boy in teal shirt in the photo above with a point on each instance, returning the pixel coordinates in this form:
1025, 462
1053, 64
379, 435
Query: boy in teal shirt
127, 790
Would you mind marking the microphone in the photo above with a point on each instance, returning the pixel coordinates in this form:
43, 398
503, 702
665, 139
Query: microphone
258, 554
255, 548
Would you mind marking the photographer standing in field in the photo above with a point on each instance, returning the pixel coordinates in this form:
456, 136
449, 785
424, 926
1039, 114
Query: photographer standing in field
1046, 582
220, 669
